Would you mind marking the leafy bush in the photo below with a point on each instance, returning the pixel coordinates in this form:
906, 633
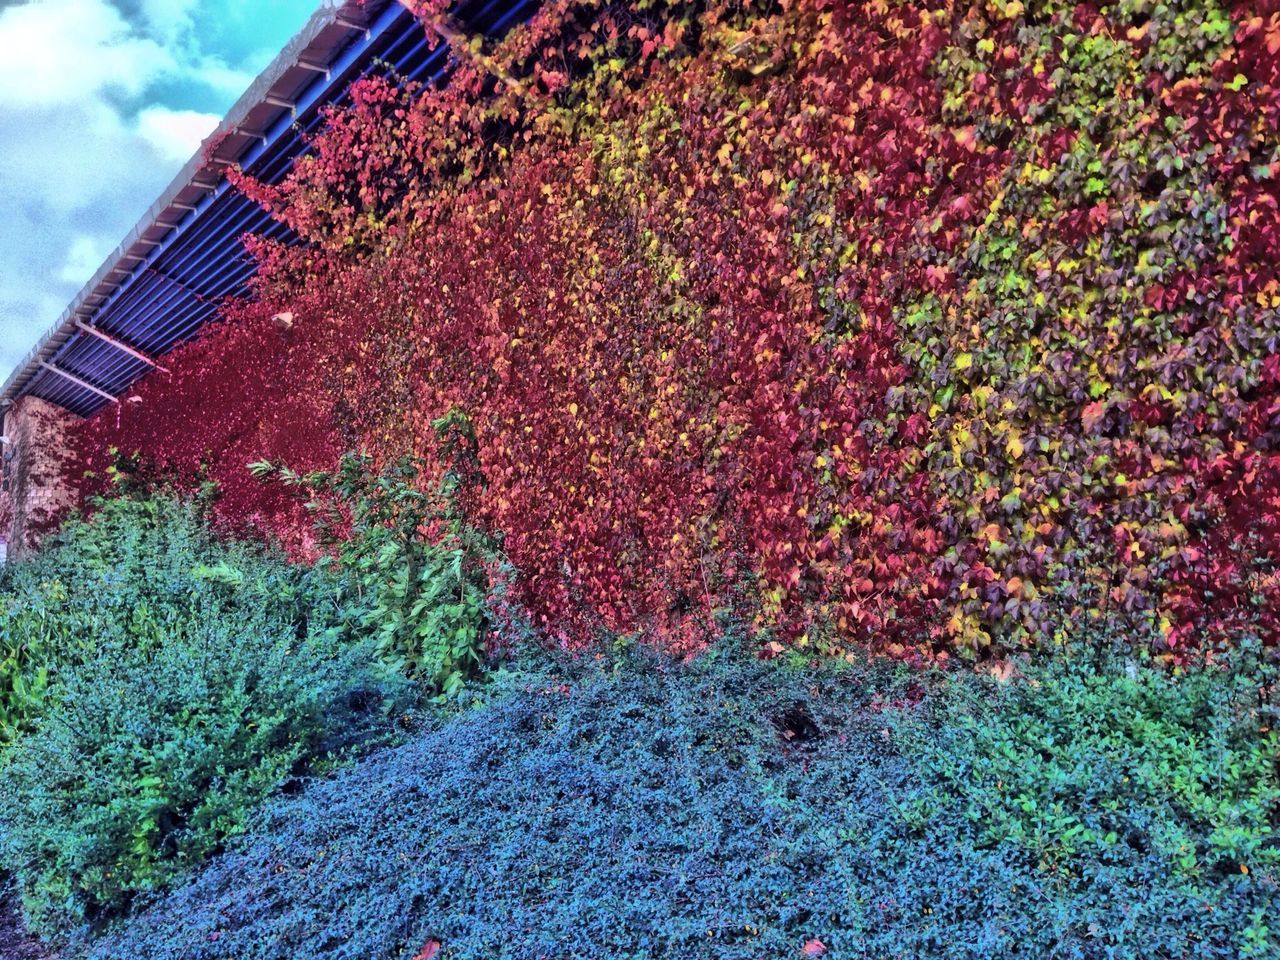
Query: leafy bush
130, 569
185, 679
409, 571
731, 808
1124, 761
23, 677
1147, 800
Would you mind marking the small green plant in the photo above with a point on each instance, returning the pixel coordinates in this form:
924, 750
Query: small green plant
23, 680
50, 604
410, 572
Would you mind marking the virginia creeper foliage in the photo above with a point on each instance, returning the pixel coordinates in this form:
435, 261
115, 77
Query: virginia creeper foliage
913, 322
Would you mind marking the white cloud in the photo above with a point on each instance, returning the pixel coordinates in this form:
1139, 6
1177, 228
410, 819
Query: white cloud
214, 73
173, 23
61, 51
169, 19
84, 256
175, 134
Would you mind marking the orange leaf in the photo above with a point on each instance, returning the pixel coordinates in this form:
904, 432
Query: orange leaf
814, 947
1092, 413
429, 950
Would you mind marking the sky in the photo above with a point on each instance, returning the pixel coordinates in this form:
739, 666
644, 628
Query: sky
102, 102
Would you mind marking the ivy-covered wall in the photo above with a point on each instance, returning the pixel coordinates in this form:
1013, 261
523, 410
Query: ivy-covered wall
920, 323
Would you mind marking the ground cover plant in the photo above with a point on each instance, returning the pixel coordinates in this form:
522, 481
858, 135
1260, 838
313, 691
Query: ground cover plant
909, 323
157, 683
729, 807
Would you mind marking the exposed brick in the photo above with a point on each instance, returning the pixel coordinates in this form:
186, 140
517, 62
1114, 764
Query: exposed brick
35, 491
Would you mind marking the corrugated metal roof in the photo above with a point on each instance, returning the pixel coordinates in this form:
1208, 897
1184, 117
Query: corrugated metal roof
166, 278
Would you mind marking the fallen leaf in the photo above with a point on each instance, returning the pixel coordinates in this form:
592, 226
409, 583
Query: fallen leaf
814, 947
429, 950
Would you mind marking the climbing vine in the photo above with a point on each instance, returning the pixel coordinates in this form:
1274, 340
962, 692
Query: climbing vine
917, 324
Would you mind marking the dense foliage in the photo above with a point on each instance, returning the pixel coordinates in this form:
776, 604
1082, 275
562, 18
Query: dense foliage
915, 323
158, 684
410, 573
731, 808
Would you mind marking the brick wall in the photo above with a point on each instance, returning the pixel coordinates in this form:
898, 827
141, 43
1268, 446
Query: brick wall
34, 490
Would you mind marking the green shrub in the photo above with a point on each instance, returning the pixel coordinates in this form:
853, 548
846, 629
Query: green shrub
138, 564
1082, 760
24, 674
1118, 779
410, 572
186, 679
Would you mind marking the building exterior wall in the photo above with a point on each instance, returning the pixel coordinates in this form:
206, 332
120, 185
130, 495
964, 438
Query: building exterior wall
35, 481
